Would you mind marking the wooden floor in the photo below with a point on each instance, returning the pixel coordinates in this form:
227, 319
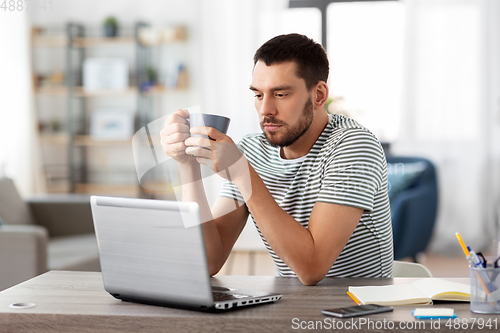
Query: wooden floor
441, 266
260, 263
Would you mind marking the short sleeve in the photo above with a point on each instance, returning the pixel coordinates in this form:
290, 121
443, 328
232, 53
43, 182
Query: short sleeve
354, 172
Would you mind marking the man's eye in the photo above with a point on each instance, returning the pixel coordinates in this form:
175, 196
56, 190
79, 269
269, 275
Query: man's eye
258, 96
280, 95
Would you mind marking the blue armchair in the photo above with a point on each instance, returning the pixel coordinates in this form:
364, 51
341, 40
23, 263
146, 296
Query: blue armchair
413, 194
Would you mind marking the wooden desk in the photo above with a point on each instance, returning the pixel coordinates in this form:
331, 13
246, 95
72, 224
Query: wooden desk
76, 302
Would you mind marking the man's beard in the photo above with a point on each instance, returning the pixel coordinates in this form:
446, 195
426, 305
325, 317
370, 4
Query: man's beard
295, 132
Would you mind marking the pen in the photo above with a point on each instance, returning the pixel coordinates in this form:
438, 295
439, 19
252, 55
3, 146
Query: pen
474, 262
474, 259
469, 254
477, 263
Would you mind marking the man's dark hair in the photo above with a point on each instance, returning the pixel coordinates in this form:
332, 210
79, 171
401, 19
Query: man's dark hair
310, 57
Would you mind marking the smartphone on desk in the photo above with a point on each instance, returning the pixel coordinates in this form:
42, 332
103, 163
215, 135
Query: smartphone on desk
357, 310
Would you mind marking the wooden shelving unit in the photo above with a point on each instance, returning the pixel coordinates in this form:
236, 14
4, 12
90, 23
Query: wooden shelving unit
74, 137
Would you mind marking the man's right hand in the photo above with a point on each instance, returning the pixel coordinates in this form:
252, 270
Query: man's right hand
174, 133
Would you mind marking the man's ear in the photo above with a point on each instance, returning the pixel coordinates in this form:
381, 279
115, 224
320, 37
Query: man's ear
320, 94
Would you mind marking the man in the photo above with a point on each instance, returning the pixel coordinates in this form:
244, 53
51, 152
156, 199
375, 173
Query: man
317, 183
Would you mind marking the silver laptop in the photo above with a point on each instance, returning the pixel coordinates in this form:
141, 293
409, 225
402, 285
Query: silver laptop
153, 251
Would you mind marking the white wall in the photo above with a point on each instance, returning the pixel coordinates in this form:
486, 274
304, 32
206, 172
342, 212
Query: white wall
451, 112
17, 130
492, 119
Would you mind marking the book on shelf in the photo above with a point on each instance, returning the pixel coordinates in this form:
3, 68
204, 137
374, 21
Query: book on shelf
422, 291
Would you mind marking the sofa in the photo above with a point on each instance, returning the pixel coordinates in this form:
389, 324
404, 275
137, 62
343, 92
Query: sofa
413, 196
43, 233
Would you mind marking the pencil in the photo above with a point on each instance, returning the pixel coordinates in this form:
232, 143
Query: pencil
462, 244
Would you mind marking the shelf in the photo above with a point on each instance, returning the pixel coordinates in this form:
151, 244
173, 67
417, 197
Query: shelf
54, 138
51, 90
155, 91
161, 90
89, 141
159, 187
108, 189
58, 187
90, 42
130, 190
81, 92
50, 41
103, 41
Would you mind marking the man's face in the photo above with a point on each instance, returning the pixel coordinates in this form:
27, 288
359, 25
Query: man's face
283, 102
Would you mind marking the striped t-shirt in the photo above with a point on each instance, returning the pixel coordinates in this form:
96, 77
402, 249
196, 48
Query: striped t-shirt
346, 166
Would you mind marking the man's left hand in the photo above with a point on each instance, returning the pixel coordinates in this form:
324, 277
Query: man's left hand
219, 153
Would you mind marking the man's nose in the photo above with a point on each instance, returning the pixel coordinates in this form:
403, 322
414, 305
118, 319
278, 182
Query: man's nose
267, 107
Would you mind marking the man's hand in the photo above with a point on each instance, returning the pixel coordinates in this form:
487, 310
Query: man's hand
221, 155
173, 136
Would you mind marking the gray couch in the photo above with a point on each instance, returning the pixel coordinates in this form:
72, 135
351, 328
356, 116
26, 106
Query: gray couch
44, 233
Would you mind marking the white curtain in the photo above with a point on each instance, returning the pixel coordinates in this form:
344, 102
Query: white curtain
451, 96
19, 151
230, 33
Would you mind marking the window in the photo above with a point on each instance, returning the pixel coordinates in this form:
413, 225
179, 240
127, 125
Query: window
305, 21
446, 71
365, 48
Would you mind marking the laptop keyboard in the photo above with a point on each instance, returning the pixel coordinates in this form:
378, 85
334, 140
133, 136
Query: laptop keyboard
218, 297
226, 297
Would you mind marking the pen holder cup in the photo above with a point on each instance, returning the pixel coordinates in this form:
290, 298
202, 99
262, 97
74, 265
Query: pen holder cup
484, 290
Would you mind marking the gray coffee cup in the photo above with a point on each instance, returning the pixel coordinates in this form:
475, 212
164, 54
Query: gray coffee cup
220, 123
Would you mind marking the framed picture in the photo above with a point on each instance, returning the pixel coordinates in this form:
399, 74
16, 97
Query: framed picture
105, 73
112, 124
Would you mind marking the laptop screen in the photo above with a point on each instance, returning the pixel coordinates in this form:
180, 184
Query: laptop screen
146, 250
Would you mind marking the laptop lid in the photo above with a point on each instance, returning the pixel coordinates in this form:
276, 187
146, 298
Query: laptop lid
147, 253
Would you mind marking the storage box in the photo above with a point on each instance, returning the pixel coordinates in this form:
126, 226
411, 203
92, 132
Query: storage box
105, 73
112, 124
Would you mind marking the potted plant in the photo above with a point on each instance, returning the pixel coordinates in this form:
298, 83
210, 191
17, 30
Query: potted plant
151, 79
110, 27
152, 75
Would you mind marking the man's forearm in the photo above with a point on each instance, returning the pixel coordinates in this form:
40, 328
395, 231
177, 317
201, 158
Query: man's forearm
193, 190
281, 230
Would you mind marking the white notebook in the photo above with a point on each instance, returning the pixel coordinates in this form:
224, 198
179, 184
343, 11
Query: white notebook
422, 291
